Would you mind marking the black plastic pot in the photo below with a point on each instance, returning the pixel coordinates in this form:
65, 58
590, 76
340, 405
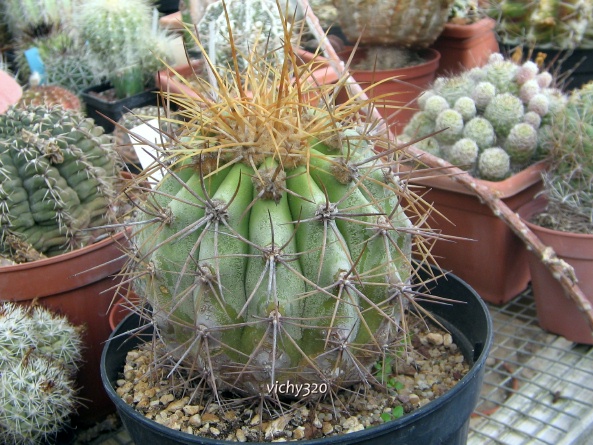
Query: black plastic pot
445, 420
167, 6
573, 68
103, 112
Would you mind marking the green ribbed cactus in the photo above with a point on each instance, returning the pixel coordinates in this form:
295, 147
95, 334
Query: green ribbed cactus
558, 24
256, 25
568, 183
39, 355
501, 105
277, 247
122, 42
57, 175
404, 23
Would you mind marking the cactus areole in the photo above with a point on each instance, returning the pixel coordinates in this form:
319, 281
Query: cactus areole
276, 248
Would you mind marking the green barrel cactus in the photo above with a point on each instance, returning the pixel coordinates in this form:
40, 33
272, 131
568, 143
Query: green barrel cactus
39, 356
278, 245
57, 176
504, 105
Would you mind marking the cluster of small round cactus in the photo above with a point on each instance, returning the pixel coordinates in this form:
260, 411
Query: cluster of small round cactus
39, 356
487, 120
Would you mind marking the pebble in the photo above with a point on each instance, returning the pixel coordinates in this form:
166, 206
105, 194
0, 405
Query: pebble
430, 369
434, 338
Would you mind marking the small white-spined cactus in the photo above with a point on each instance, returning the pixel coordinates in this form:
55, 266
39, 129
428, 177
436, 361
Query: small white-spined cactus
492, 105
255, 25
521, 143
493, 164
39, 355
466, 107
504, 111
449, 123
464, 153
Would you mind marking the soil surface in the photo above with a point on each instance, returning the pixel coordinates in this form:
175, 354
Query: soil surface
432, 365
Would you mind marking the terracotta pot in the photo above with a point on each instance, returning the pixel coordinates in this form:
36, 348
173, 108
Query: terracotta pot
121, 308
488, 255
10, 91
555, 311
80, 285
172, 22
398, 88
465, 46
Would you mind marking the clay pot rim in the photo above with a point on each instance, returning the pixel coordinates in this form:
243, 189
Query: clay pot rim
453, 30
116, 237
531, 208
504, 189
431, 60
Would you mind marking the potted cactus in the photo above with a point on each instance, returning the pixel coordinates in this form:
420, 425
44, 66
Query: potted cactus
254, 25
57, 189
40, 353
392, 50
560, 29
467, 39
276, 248
125, 50
489, 121
562, 217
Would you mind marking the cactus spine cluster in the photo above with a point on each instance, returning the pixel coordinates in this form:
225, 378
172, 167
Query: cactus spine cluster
123, 44
488, 120
255, 25
49, 95
57, 176
568, 182
277, 246
558, 24
39, 356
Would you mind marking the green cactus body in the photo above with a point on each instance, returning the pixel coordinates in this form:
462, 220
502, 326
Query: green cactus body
256, 25
521, 143
276, 248
57, 177
464, 153
559, 24
39, 355
121, 41
568, 141
494, 164
504, 111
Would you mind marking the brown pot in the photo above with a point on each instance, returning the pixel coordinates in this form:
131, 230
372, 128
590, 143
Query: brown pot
555, 311
489, 256
80, 285
465, 46
121, 308
398, 88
